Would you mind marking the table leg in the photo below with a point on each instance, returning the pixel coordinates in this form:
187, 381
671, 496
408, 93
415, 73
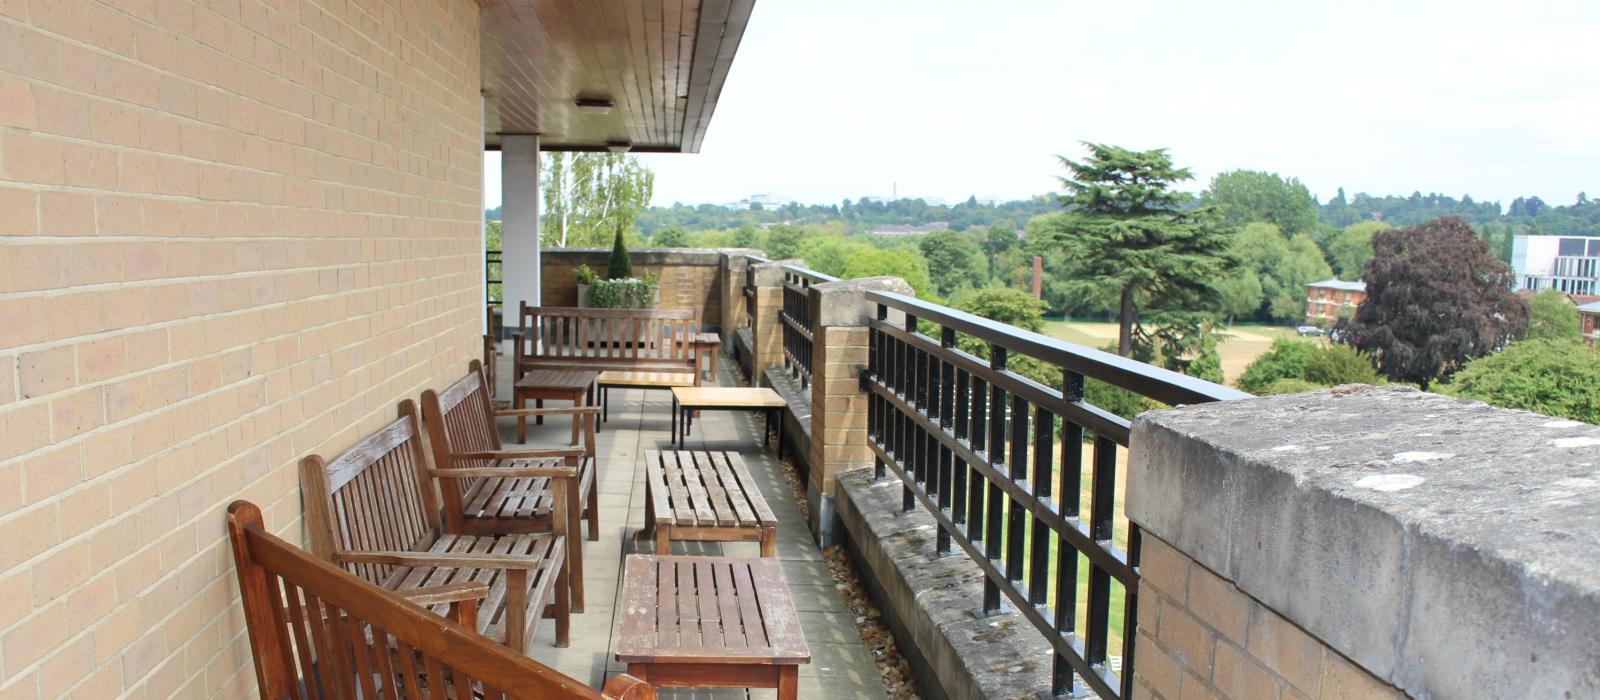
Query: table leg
538, 403
577, 402
788, 682
673, 439
520, 400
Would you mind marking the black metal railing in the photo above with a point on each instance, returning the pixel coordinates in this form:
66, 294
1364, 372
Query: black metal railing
799, 320
999, 460
750, 289
493, 277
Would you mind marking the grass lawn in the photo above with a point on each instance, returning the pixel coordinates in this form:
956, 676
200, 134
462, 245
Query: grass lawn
1241, 343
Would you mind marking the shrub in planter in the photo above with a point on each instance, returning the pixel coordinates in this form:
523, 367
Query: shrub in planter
586, 277
619, 267
621, 294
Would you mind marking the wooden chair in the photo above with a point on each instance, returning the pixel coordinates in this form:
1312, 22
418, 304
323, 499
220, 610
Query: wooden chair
642, 340
489, 490
371, 511
318, 632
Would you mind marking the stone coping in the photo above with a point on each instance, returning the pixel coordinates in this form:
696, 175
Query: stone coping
1450, 548
639, 256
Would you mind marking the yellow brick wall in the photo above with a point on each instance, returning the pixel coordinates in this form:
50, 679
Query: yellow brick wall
1201, 637
232, 233
684, 287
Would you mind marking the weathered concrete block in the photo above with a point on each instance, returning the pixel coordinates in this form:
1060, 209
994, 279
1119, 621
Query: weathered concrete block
844, 303
1446, 547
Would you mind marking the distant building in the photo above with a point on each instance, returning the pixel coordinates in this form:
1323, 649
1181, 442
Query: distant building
1332, 299
1569, 264
1589, 317
766, 201
908, 230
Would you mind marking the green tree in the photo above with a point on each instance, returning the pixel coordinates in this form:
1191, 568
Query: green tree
1287, 359
783, 241
903, 263
1130, 232
998, 240
673, 237
1352, 248
1303, 265
1552, 317
1241, 293
1554, 377
1245, 196
589, 196
618, 266
1436, 299
744, 237
953, 261
1006, 305
1334, 364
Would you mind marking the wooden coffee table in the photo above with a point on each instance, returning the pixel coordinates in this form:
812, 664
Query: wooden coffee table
636, 380
705, 497
710, 622
560, 385
687, 400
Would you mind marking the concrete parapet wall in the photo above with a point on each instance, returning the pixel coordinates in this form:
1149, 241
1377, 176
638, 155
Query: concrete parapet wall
1444, 548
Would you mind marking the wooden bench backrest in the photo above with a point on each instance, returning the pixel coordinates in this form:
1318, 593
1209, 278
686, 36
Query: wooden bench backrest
318, 632
464, 423
617, 334
375, 496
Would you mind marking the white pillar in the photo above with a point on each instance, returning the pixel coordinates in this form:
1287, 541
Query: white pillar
519, 224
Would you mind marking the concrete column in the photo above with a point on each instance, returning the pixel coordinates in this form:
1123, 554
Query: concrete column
519, 224
838, 405
768, 330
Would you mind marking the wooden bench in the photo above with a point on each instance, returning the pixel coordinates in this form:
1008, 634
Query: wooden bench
646, 340
705, 497
316, 631
371, 510
710, 622
489, 490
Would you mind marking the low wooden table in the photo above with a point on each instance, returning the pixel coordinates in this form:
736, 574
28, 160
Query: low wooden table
561, 385
710, 622
687, 400
705, 497
636, 380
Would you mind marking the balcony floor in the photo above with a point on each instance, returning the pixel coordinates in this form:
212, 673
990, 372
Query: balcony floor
841, 666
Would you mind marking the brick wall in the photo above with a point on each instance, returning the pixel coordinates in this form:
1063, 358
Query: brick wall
232, 233
1201, 637
688, 277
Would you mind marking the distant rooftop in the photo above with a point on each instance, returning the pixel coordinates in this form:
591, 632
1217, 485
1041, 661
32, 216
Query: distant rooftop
1336, 283
1592, 307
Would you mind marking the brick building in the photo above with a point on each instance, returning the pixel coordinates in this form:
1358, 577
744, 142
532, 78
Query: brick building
1332, 299
1589, 319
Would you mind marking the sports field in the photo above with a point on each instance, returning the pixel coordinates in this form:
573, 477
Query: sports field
1240, 344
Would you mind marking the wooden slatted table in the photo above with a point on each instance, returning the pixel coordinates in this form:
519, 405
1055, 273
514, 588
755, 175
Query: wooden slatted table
705, 497
686, 401
562, 385
710, 622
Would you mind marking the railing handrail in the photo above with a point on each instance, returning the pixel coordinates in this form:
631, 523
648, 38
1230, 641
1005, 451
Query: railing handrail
1153, 382
810, 274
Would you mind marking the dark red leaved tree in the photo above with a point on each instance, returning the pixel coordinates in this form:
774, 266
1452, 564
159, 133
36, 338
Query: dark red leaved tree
1436, 298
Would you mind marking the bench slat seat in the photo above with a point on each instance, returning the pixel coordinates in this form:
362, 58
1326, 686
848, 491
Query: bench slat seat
372, 511
488, 489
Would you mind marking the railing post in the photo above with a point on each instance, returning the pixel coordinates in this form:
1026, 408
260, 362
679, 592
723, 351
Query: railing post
730, 291
766, 328
839, 352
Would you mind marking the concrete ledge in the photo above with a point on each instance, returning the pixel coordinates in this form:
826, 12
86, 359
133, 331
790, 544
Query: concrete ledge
930, 603
709, 257
1450, 548
742, 345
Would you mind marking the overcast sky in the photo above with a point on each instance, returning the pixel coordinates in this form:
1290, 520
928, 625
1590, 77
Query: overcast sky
830, 99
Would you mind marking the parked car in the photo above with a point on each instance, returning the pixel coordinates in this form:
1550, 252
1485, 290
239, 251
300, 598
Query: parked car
1310, 331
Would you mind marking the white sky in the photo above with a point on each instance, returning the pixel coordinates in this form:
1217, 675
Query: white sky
829, 99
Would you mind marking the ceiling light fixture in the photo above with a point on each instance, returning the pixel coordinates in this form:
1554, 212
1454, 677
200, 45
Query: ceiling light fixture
595, 105
618, 146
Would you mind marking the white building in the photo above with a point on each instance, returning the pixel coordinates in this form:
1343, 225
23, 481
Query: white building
1569, 264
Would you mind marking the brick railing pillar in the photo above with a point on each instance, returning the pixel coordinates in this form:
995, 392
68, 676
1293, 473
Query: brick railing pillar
767, 330
730, 289
838, 405
1372, 542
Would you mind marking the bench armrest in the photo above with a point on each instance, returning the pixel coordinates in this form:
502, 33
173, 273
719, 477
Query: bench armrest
447, 593
462, 559
626, 687
552, 472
